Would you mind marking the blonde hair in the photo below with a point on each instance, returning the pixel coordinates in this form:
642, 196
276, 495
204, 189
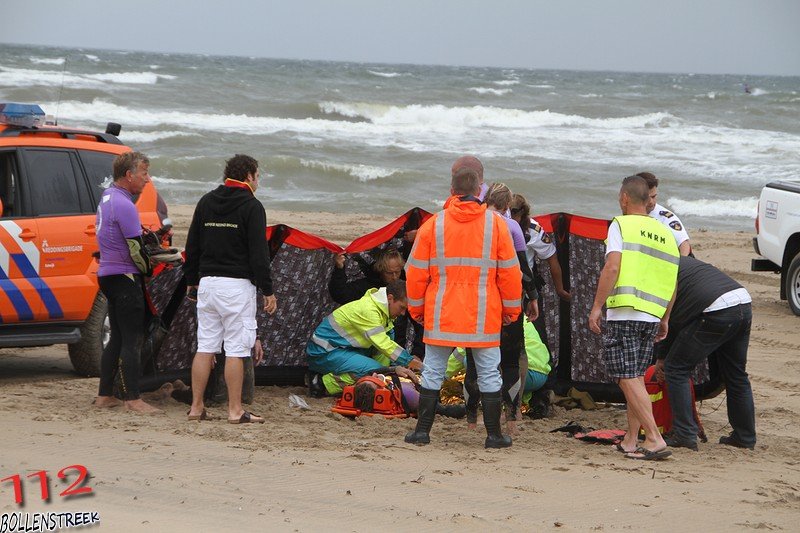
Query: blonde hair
382, 262
498, 196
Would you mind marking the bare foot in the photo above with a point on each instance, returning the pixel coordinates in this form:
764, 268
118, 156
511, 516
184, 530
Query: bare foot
142, 407
162, 394
106, 402
511, 428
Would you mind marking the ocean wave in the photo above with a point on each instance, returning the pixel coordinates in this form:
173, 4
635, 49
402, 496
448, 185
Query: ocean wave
134, 136
758, 92
590, 95
364, 173
21, 77
92, 57
135, 78
489, 90
654, 140
47, 60
385, 74
706, 207
506, 82
541, 86
178, 181
485, 116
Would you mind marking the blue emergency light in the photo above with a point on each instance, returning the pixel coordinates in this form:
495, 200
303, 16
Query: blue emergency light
24, 115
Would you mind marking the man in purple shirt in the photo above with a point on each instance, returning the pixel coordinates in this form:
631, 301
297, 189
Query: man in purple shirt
123, 265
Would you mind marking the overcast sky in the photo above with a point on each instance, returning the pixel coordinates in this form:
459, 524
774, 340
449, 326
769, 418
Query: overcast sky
692, 36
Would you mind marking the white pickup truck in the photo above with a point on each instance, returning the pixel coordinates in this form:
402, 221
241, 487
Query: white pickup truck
777, 238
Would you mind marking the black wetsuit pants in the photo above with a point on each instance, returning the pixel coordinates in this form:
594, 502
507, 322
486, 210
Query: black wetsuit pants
511, 343
120, 361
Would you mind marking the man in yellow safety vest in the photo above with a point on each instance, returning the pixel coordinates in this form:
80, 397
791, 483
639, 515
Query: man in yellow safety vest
637, 286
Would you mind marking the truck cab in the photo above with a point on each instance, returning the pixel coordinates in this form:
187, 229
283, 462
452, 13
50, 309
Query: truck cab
777, 238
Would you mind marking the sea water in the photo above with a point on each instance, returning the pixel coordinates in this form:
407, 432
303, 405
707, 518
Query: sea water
380, 138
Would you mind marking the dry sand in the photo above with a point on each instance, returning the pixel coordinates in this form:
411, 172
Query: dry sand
313, 470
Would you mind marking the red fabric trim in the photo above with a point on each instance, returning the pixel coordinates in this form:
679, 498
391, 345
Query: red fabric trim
306, 241
236, 184
545, 221
591, 228
381, 235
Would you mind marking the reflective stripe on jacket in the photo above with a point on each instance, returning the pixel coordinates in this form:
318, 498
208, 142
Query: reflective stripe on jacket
463, 276
363, 324
648, 269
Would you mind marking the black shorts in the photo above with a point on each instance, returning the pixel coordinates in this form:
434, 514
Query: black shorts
628, 347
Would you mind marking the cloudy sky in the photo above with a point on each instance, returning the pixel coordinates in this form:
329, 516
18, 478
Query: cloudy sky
708, 36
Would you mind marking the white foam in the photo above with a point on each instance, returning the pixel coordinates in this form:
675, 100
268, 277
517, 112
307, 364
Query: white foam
652, 140
711, 95
590, 95
758, 92
47, 60
506, 82
91, 57
20, 77
364, 173
177, 181
541, 86
134, 136
489, 90
135, 78
385, 74
154, 67
484, 116
705, 207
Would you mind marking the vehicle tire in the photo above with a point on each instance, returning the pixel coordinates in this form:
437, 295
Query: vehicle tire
793, 285
95, 334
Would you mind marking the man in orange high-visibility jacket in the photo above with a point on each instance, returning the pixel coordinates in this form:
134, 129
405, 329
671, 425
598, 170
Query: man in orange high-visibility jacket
463, 283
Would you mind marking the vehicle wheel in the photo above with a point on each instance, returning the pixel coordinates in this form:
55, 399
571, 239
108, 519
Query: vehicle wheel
95, 334
793, 285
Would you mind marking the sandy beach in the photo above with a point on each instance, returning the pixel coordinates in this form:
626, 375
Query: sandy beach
309, 470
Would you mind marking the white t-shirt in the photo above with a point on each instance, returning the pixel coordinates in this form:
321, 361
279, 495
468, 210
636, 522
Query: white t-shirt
671, 220
614, 244
539, 246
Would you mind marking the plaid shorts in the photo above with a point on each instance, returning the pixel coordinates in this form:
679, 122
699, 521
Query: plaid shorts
628, 347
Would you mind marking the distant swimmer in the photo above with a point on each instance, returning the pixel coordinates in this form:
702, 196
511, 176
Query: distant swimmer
665, 216
746, 88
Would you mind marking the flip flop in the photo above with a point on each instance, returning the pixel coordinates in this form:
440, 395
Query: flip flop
618, 447
201, 416
649, 455
247, 418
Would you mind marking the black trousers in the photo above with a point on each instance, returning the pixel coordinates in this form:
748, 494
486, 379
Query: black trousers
120, 361
511, 343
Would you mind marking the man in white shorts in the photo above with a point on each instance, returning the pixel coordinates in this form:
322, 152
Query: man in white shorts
227, 259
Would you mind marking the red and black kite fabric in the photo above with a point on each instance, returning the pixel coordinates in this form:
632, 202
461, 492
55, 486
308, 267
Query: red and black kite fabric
301, 268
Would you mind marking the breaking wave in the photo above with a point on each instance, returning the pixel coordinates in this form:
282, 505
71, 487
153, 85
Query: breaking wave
364, 173
21, 77
705, 207
489, 90
47, 60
